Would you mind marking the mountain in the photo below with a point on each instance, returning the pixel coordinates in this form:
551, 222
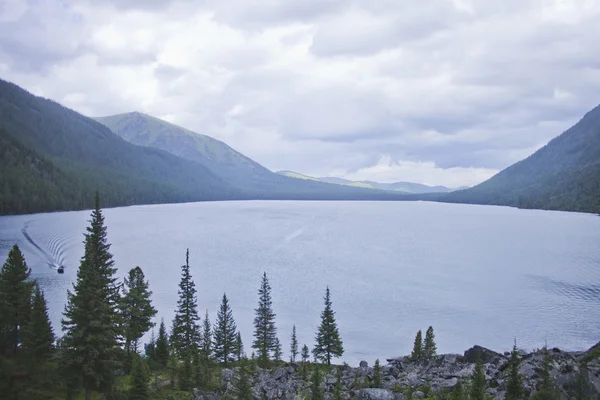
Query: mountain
53, 158
563, 175
401, 187
231, 166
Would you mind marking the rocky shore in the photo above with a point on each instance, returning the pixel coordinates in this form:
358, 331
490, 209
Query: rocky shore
403, 378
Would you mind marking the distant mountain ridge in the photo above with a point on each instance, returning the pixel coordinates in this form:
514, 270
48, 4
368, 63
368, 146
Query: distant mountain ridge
401, 187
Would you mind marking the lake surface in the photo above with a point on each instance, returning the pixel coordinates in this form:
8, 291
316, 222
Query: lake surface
479, 274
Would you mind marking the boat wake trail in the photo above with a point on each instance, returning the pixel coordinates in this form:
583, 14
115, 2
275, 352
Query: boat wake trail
53, 257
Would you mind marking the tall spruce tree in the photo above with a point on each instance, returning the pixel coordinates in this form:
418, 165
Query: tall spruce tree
377, 374
265, 332
429, 347
293, 345
328, 342
90, 316
242, 388
514, 386
162, 346
478, 381
185, 333
15, 295
38, 336
417, 352
547, 389
136, 309
225, 334
207, 339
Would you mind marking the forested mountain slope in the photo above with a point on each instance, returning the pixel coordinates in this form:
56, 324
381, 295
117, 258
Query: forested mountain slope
563, 175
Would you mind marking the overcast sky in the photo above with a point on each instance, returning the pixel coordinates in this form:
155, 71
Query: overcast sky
433, 91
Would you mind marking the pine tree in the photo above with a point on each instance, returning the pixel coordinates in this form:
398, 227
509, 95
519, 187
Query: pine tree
139, 380
186, 373
239, 347
151, 348
15, 294
429, 347
458, 393
377, 374
315, 385
265, 332
38, 336
242, 388
278, 350
90, 317
293, 345
478, 381
337, 391
417, 353
514, 386
328, 341
305, 354
185, 334
548, 390
136, 309
207, 339
162, 346
224, 334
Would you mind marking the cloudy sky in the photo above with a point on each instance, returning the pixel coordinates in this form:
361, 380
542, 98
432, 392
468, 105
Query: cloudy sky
433, 91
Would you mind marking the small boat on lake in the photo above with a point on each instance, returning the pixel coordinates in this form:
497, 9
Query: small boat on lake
60, 269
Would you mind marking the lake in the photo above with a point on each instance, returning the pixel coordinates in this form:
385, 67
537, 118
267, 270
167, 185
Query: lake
479, 274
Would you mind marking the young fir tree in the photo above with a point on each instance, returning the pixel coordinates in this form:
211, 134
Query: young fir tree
224, 334
377, 374
38, 337
305, 354
458, 393
547, 390
265, 332
151, 348
242, 388
338, 389
90, 316
239, 347
139, 380
136, 309
15, 294
316, 393
417, 352
478, 381
185, 333
514, 386
328, 341
278, 350
207, 339
162, 346
186, 373
429, 347
293, 345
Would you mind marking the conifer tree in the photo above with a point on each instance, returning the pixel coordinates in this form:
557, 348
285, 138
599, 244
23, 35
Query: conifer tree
514, 386
417, 352
458, 393
139, 380
207, 339
548, 390
15, 294
315, 385
151, 348
136, 309
186, 373
328, 341
278, 350
224, 334
337, 391
38, 336
265, 332
162, 346
305, 354
90, 316
429, 347
478, 381
377, 374
241, 387
239, 346
293, 345
185, 333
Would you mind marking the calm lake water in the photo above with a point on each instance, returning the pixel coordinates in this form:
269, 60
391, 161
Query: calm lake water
478, 274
